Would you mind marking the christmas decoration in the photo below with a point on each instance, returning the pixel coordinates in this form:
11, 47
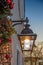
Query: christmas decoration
7, 56
0, 41
11, 5
8, 17
5, 6
6, 29
10, 40
8, 1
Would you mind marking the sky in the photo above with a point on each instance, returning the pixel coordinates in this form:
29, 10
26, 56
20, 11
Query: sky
34, 12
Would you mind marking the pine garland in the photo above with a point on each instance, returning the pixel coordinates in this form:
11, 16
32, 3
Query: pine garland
6, 29
5, 7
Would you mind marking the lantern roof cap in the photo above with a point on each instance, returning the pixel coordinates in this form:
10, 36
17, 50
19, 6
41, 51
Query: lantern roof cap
27, 31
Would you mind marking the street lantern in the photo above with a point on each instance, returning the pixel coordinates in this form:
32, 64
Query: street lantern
27, 37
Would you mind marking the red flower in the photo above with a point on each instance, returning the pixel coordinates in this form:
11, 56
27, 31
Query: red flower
8, 1
11, 5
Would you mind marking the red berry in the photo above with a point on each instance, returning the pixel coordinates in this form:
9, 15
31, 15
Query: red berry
7, 56
0, 41
10, 40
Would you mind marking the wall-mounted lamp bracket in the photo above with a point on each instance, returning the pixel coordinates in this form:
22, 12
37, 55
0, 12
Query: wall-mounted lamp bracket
17, 22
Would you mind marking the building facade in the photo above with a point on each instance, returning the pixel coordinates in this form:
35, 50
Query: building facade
18, 14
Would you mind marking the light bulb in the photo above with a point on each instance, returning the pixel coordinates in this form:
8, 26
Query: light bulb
28, 44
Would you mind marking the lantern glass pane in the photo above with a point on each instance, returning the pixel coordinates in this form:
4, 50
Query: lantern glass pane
28, 44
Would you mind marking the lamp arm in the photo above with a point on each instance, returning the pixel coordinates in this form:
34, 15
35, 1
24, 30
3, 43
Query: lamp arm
19, 20
16, 24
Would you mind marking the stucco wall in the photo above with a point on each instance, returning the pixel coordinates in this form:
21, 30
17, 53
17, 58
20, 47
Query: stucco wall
17, 15
14, 51
18, 10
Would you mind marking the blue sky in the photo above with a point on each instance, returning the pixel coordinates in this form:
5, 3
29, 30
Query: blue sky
34, 12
